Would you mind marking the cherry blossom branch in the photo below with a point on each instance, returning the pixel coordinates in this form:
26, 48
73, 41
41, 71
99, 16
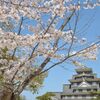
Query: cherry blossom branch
31, 76
67, 20
63, 26
33, 49
19, 31
72, 40
69, 57
41, 67
50, 24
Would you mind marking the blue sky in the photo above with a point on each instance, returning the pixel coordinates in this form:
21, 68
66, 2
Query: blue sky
58, 75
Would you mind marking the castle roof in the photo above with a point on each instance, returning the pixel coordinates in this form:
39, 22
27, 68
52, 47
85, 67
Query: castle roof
83, 69
87, 80
76, 94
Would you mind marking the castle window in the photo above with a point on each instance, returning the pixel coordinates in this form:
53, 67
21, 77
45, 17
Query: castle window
93, 77
70, 86
76, 95
88, 90
74, 90
78, 83
83, 95
80, 90
94, 89
99, 84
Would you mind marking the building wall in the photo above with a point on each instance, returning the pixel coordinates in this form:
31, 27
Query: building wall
78, 98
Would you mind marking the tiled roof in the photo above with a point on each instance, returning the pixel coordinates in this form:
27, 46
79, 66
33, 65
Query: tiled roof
89, 87
87, 79
78, 93
80, 75
85, 69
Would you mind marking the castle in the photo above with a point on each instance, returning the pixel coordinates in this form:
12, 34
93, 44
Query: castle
80, 86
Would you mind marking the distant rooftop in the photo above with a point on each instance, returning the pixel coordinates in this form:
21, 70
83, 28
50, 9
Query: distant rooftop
83, 69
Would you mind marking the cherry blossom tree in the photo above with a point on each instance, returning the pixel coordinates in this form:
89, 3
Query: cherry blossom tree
33, 40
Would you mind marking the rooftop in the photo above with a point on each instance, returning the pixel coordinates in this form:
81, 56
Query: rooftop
75, 94
89, 87
83, 69
83, 74
86, 79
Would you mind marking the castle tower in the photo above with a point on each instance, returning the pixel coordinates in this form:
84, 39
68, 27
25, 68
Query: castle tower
81, 84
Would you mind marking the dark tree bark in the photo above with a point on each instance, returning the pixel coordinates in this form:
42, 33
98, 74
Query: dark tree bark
7, 95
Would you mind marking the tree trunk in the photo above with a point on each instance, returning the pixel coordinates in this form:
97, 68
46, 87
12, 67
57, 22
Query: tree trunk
7, 95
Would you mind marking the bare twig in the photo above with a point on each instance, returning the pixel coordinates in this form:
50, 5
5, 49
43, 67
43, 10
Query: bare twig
19, 31
72, 40
68, 57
